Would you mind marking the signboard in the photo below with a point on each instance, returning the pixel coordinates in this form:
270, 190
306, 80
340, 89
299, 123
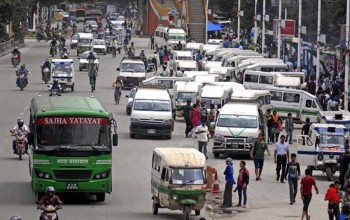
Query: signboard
290, 3
71, 121
287, 28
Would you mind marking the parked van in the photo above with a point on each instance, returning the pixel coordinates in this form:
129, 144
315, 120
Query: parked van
222, 72
235, 86
205, 79
300, 103
215, 95
179, 55
236, 60
169, 36
260, 97
151, 113
84, 42
210, 64
184, 91
180, 66
194, 47
192, 74
288, 82
269, 67
168, 81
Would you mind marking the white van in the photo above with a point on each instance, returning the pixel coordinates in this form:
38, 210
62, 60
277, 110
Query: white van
288, 82
210, 64
215, 95
84, 42
179, 55
222, 72
132, 72
235, 86
260, 97
205, 79
209, 47
269, 67
300, 103
192, 74
180, 66
151, 113
169, 36
184, 91
168, 81
194, 47
236, 60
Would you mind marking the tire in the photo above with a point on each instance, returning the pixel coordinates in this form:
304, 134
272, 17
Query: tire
101, 197
216, 155
155, 207
21, 88
329, 173
186, 212
198, 212
168, 137
132, 135
20, 154
80, 69
128, 113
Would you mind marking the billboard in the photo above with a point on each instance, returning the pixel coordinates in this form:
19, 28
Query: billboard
288, 28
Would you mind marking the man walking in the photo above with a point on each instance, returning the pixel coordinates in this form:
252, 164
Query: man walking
306, 184
229, 183
257, 153
289, 128
293, 173
281, 158
187, 116
203, 136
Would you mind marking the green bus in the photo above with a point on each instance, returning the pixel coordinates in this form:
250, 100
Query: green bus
71, 141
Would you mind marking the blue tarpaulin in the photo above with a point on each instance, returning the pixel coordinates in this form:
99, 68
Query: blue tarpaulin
214, 27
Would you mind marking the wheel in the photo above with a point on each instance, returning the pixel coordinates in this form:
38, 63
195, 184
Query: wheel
20, 154
155, 207
80, 69
128, 113
329, 173
21, 88
216, 155
77, 54
168, 137
132, 135
186, 212
101, 197
198, 212
71, 48
72, 88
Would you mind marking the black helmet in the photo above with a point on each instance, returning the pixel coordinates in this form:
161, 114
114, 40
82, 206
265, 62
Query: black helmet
20, 122
16, 217
91, 53
50, 191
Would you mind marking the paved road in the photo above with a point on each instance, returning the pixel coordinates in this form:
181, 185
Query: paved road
131, 198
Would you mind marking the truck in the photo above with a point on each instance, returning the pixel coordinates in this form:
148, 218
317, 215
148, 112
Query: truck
132, 71
71, 139
84, 42
184, 91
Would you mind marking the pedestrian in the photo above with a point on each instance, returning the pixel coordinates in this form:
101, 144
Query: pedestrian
305, 129
281, 158
211, 114
289, 128
161, 54
242, 183
152, 42
293, 173
276, 126
229, 183
311, 86
195, 119
203, 136
306, 184
186, 111
343, 165
269, 126
257, 152
333, 198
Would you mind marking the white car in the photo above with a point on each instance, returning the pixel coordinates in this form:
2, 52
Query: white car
93, 26
83, 62
74, 41
99, 46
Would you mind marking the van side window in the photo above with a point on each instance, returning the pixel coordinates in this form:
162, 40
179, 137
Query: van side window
291, 97
251, 78
266, 79
308, 103
155, 162
314, 105
157, 33
267, 99
161, 34
266, 69
276, 96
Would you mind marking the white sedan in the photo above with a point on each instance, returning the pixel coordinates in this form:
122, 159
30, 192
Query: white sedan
99, 46
83, 61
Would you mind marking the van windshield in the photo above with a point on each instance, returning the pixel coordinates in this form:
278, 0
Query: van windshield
132, 67
331, 140
237, 121
209, 101
152, 105
84, 41
61, 70
187, 176
185, 96
177, 37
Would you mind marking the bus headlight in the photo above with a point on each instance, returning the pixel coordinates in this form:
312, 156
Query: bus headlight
102, 175
42, 175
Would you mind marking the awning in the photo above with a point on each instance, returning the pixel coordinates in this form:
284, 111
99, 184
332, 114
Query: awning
214, 27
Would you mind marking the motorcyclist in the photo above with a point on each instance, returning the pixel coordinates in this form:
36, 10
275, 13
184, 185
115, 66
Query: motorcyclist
24, 69
164, 71
64, 53
142, 54
62, 39
19, 128
16, 51
118, 85
54, 44
46, 64
91, 59
55, 86
49, 199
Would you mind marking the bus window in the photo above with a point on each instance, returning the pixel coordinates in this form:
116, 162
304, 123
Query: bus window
266, 79
276, 96
291, 97
251, 78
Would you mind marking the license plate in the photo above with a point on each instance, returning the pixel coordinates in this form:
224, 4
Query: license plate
151, 131
72, 186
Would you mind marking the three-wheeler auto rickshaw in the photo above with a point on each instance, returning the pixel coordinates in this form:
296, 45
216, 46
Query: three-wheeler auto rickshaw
178, 180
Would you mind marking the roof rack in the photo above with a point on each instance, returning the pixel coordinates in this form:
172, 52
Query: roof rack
152, 86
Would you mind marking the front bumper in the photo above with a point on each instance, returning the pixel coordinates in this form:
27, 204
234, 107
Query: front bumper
232, 145
130, 82
149, 129
99, 50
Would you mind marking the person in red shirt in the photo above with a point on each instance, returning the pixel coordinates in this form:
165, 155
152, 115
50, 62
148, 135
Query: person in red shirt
333, 198
306, 184
49, 199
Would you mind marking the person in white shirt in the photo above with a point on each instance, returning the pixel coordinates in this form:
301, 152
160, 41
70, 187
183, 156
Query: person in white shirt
281, 156
202, 132
20, 129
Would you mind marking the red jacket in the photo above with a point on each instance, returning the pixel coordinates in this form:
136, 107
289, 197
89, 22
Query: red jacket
332, 195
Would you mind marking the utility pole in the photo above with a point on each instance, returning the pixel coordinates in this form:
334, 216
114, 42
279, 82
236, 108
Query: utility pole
318, 43
239, 20
263, 27
279, 30
346, 96
299, 33
256, 23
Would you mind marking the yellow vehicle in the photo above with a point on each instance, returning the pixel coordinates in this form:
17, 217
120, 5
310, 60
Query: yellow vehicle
178, 180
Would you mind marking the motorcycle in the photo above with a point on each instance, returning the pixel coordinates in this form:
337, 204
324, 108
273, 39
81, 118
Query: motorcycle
46, 75
92, 75
151, 68
22, 83
65, 56
15, 60
55, 91
53, 51
41, 36
20, 142
49, 213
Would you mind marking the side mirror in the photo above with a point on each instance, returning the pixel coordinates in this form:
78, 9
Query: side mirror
115, 139
30, 138
118, 69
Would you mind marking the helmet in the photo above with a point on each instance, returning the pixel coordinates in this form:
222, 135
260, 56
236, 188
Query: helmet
50, 191
16, 48
164, 67
20, 122
55, 81
47, 60
16, 217
91, 53
23, 66
229, 160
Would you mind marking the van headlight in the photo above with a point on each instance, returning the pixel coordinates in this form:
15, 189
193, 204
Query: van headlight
135, 120
219, 138
168, 121
175, 197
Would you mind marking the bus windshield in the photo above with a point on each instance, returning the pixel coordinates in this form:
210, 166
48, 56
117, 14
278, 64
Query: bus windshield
80, 13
